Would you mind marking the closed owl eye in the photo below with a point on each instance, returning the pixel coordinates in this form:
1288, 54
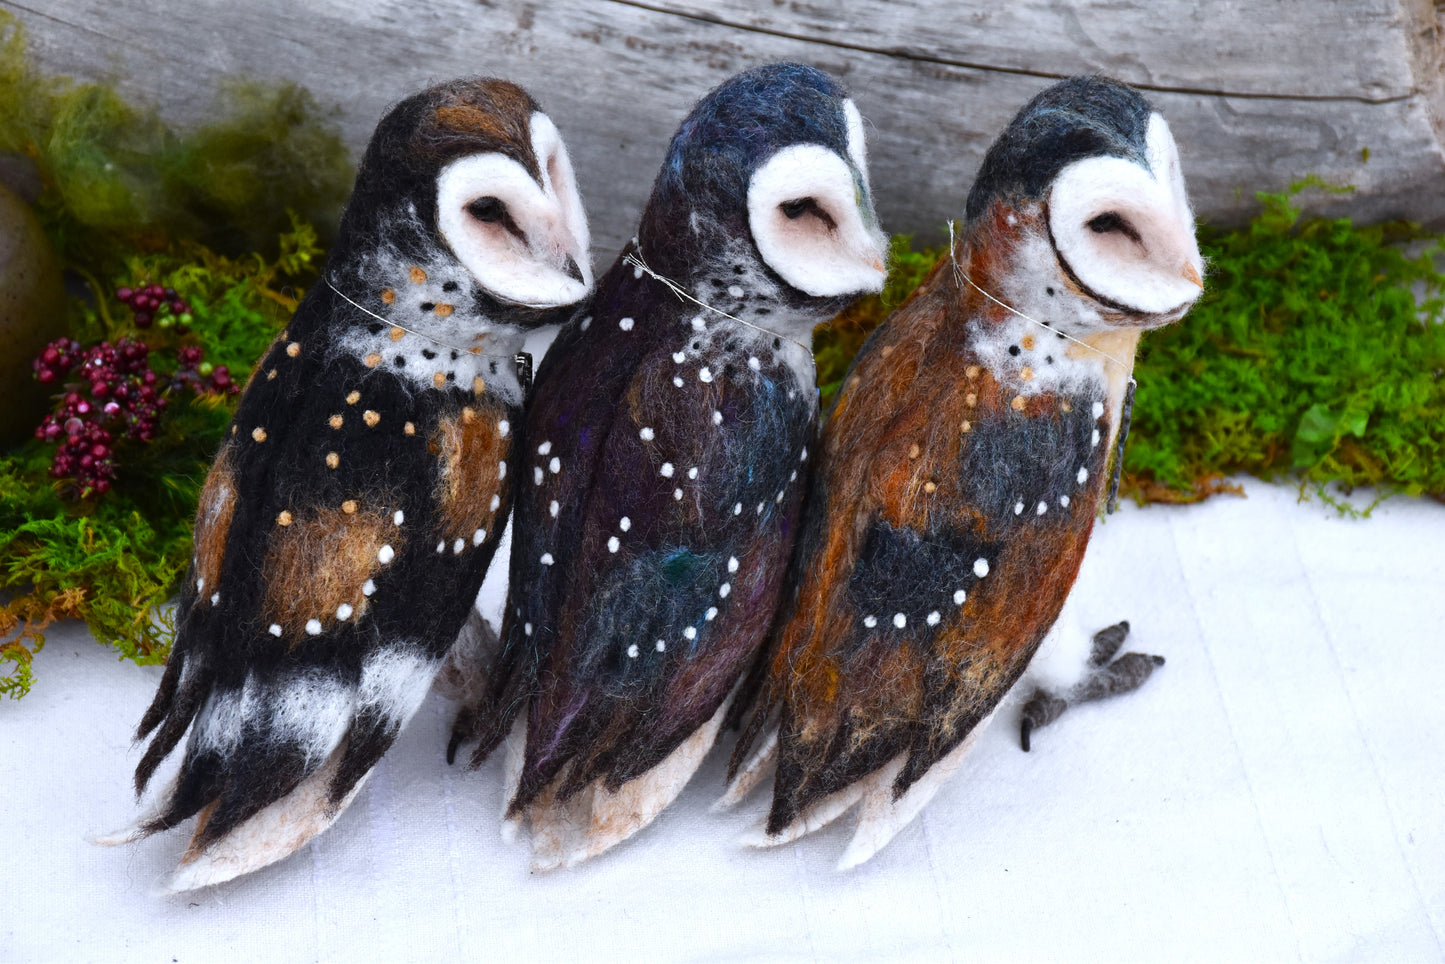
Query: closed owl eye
792, 210
487, 209
1112, 221
491, 210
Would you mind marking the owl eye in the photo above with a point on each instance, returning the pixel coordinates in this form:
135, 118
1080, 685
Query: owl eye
487, 209
794, 209
1112, 221
491, 210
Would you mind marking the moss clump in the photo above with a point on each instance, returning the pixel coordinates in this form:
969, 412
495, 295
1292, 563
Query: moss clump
1318, 352
118, 180
226, 214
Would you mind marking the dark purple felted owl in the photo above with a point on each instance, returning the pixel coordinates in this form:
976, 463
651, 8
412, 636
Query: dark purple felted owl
666, 448
963, 464
349, 518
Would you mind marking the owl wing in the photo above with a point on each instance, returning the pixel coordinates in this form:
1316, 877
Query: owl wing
577, 390
923, 584
341, 537
671, 580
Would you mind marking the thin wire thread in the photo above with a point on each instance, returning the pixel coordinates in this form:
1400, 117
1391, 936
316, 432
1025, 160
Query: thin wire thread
958, 274
681, 292
469, 349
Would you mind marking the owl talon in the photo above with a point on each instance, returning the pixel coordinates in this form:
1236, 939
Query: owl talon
1123, 675
1107, 642
1041, 710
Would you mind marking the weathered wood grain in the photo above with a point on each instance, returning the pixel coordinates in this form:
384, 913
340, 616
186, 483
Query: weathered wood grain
1259, 92
1245, 49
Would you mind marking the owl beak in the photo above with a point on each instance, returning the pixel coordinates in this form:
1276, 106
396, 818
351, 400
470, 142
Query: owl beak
563, 252
571, 270
1191, 275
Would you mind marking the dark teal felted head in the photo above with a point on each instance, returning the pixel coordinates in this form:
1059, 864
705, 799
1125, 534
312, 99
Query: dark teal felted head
1074, 119
773, 159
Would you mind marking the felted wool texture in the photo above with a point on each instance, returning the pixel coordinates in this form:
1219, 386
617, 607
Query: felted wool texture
665, 455
350, 516
960, 472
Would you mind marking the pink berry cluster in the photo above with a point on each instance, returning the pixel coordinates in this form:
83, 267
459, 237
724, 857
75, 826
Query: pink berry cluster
154, 303
193, 372
113, 395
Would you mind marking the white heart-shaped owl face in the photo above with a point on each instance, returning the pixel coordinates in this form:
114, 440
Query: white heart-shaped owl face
1126, 232
808, 214
526, 243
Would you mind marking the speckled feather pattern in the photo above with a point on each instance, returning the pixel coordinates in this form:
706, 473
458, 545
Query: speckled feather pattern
959, 476
644, 597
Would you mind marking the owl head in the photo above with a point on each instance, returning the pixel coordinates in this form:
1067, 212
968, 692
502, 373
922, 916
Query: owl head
771, 168
472, 173
1094, 169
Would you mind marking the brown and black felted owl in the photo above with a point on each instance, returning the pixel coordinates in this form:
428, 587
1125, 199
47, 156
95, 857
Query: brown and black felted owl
963, 463
350, 516
666, 450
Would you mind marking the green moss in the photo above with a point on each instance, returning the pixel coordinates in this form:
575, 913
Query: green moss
226, 214
1317, 353
118, 179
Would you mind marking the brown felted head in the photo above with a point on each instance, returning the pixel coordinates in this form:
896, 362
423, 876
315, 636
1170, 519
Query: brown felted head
423, 133
476, 164
490, 114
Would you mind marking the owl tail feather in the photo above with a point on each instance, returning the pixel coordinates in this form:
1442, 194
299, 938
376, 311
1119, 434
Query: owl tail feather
882, 813
272, 763
274, 832
228, 841
593, 820
744, 779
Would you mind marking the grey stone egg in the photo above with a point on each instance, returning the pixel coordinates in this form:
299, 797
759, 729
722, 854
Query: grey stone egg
32, 313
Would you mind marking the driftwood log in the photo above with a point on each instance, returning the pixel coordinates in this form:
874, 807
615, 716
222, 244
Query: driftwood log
1259, 92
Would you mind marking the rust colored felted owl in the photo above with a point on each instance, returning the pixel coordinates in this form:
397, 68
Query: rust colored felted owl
349, 518
963, 464
666, 452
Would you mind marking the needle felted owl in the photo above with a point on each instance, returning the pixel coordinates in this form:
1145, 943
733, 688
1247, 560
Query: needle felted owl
963, 463
349, 518
666, 449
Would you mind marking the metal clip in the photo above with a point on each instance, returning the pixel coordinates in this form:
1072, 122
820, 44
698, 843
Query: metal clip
523, 361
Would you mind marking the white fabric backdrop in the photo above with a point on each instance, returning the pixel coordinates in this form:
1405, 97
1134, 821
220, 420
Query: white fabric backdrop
1274, 792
